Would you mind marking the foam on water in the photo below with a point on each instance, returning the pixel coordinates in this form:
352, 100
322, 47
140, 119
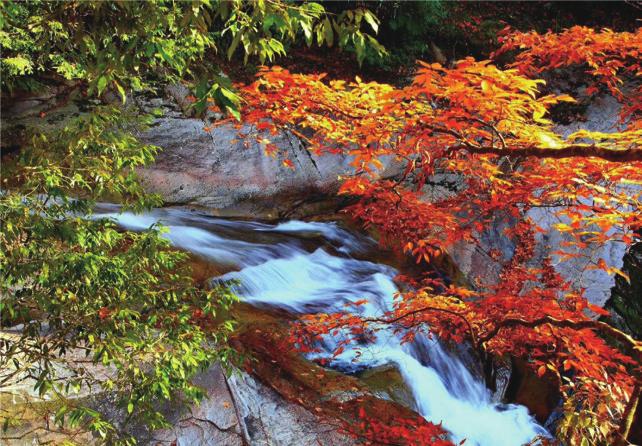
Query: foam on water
283, 272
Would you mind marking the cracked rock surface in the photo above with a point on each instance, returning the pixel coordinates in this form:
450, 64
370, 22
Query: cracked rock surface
239, 411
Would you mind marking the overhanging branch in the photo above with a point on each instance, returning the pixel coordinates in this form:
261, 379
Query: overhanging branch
572, 151
603, 327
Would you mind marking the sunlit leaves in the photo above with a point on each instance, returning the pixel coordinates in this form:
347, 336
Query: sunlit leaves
264, 29
129, 45
484, 134
610, 58
100, 308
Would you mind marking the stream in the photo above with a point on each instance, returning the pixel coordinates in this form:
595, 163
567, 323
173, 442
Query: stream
308, 267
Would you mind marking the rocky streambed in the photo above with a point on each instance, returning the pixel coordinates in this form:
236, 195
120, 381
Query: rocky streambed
278, 396
286, 269
295, 267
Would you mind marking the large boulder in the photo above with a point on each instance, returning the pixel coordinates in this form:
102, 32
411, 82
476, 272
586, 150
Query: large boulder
479, 268
232, 175
239, 410
482, 270
225, 169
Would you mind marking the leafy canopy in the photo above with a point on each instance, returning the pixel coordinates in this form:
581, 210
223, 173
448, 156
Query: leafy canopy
90, 308
121, 45
487, 129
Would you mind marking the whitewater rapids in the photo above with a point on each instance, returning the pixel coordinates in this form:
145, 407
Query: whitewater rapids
307, 267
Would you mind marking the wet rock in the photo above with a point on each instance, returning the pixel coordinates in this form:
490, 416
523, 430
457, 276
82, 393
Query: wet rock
212, 422
231, 175
540, 395
334, 397
386, 382
269, 420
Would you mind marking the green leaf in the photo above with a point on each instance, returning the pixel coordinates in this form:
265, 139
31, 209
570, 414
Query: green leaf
327, 32
307, 32
121, 91
234, 45
230, 95
372, 20
234, 112
101, 84
360, 47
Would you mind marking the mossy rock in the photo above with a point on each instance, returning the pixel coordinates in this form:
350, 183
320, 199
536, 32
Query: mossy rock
386, 382
625, 303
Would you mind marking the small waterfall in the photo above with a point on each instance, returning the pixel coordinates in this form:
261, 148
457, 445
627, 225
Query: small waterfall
307, 267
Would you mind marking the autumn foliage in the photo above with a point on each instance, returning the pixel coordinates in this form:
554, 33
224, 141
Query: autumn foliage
608, 57
487, 129
371, 430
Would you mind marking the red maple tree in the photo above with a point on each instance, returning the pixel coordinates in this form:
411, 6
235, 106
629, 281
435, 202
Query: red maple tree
488, 129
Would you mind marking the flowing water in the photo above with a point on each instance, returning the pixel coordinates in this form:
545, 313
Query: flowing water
306, 267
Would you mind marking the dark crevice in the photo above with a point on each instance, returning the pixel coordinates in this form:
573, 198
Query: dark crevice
625, 303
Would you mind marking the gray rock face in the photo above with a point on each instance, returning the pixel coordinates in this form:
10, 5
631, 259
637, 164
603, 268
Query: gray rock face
478, 267
212, 422
226, 169
482, 270
475, 262
240, 411
231, 174
600, 116
268, 420
596, 282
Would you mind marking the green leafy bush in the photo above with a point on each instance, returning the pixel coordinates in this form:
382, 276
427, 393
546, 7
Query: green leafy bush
86, 307
87, 294
121, 45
